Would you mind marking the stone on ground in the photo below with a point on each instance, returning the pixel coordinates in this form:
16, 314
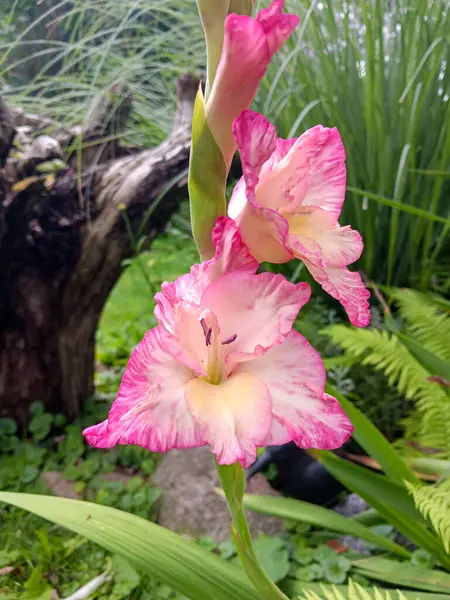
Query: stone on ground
191, 506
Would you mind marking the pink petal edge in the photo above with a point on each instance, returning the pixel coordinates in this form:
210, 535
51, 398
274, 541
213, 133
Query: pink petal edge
301, 412
150, 409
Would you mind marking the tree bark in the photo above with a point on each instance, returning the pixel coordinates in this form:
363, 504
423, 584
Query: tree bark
63, 240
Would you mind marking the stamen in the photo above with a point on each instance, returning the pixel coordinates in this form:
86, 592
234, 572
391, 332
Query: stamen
229, 340
204, 326
207, 331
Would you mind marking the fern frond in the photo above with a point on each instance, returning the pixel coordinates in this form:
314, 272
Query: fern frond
385, 353
429, 325
433, 501
435, 424
353, 592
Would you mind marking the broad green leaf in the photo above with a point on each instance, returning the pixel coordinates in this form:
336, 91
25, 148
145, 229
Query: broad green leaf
374, 442
429, 361
388, 497
156, 551
293, 588
206, 182
335, 568
322, 517
403, 574
426, 464
273, 556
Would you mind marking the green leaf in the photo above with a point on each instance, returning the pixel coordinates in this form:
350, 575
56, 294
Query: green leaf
52, 166
309, 573
335, 568
374, 442
323, 552
7, 426
429, 361
273, 556
399, 205
159, 553
126, 578
206, 182
422, 559
403, 574
343, 592
40, 426
322, 517
426, 464
303, 555
388, 497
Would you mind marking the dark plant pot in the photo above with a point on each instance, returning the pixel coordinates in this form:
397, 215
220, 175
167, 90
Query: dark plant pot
295, 473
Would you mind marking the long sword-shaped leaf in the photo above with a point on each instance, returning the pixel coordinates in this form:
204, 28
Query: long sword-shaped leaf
294, 588
374, 442
158, 552
322, 517
389, 498
404, 574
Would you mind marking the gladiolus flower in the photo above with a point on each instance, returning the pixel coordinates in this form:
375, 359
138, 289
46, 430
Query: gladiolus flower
288, 202
248, 47
224, 366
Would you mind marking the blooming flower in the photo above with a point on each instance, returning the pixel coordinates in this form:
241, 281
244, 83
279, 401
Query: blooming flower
248, 47
224, 366
288, 202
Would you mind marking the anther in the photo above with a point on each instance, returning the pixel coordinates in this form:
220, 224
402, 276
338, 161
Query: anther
229, 340
207, 331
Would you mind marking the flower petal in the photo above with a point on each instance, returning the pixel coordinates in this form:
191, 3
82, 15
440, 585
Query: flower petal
295, 377
248, 47
277, 26
263, 229
315, 171
347, 287
150, 409
231, 255
265, 233
313, 235
259, 309
311, 173
234, 416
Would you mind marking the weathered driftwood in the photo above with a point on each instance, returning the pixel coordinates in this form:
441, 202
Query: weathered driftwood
62, 244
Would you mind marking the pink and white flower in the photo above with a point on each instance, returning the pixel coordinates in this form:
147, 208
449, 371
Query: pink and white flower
248, 47
224, 366
288, 202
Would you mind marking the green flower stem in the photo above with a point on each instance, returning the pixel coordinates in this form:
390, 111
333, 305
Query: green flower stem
233, 483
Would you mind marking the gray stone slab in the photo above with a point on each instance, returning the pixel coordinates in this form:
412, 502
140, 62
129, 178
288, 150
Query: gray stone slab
191, 506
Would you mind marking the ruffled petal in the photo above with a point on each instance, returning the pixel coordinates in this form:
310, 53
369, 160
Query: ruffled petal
313, 172
263, 229
265, 233
150, 409
234, 416
248, 47
258, 309
313, 235
295, 377
347, 287
277, 26
231, 255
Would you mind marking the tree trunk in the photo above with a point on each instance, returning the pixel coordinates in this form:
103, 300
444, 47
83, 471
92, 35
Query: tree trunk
63, 241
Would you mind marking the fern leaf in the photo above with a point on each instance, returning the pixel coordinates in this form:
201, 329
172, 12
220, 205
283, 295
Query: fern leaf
353, 592
433, 501
385, 353
429, 325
